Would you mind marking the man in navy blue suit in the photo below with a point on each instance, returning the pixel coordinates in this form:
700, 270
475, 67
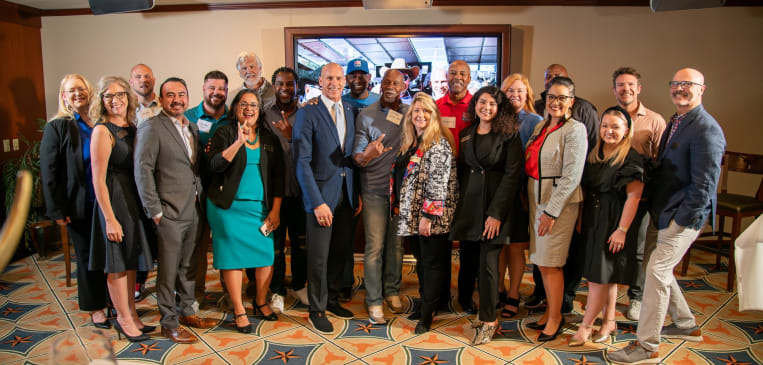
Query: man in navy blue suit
682, 195
323, 138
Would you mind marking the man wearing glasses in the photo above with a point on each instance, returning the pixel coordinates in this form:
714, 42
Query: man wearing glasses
682, 195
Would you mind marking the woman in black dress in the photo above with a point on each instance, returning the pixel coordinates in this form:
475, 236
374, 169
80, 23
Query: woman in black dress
489, 176
613, 180
120, 235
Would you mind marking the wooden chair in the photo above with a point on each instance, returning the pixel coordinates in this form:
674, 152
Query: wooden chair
41, 246
14, 225
736, 207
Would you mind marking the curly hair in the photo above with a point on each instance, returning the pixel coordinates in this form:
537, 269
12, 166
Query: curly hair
505, 121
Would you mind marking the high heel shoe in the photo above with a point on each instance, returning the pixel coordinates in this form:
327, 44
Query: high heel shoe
139, 338
536, 326
244, 329
483, 334
270, 317
102, 325
542, 337
578, 343
508, 313
148, 329
602, 337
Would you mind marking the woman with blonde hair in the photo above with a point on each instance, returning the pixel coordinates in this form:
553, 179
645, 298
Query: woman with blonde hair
613, 180
424, 194
68, 187
120, 237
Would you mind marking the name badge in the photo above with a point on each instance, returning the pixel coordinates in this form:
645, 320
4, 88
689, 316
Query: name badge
450, 122
394, 117
204, 125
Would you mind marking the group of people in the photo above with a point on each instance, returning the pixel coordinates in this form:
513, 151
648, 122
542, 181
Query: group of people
616, 198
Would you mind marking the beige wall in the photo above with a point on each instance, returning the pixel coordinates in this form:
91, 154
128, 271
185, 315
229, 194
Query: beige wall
724, 43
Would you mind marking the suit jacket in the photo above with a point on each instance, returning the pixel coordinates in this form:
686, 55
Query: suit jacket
168, 181
321, 165
64, 184
490, 189
583, 111
226, 176
683, 186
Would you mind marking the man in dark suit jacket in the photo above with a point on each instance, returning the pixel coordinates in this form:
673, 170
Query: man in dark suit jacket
323, 138
682, 194
167, 164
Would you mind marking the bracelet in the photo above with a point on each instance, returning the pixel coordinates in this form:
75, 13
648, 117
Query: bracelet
623, 229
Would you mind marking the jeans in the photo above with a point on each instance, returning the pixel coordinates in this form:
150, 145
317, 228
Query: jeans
384, 250
662, 294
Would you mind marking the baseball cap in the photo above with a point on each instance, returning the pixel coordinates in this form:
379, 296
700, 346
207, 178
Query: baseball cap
357, 65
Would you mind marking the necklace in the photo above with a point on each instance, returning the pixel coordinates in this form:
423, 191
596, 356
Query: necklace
257, 137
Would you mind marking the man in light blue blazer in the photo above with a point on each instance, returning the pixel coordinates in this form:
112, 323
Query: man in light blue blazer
682, 195
323, 138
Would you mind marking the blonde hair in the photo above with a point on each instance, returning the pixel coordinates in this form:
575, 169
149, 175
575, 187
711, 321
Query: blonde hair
98, 109
64, 110
529, 103
621, 151
433, 131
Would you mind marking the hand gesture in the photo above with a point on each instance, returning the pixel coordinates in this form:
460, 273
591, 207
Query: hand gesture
425, 226
360, 206
323, 215
492, 227
376, 148
283, 126
242, 133
114, 231
616, 241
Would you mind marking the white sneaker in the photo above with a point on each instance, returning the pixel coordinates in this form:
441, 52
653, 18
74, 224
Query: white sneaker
276, 303
301, 295
376, 315
634, 310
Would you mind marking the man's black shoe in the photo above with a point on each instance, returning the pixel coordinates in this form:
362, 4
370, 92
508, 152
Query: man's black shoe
320, 322
415, 316
339, 311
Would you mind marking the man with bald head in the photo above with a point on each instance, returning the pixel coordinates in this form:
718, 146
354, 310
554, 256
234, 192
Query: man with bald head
142, 82
323, 138
682, 196
438, 81
377, 140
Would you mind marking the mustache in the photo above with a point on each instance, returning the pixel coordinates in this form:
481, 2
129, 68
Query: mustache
681, 93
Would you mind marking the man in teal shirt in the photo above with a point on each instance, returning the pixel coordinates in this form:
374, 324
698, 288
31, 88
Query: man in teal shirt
211, 113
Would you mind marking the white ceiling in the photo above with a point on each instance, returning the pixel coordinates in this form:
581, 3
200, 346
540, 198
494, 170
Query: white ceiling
78, 4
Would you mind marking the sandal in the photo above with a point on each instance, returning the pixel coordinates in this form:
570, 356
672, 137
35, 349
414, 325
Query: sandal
602, 337
243, 329
508, 313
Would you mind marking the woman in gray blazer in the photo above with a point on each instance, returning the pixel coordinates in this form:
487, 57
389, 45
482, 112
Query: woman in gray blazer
554, 161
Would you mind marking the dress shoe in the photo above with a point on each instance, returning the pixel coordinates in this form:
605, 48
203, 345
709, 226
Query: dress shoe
339, 311
602, 336
242, 329
425, 323
259, 313
148, 329
179, 335
542, 337
102, 325
320, 322
197, 321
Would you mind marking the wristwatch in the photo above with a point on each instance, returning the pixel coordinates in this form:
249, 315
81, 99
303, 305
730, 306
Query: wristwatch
623, 229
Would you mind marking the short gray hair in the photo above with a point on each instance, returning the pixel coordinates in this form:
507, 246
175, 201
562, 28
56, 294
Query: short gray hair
242, 58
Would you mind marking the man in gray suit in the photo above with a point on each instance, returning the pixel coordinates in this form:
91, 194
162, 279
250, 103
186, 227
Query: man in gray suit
168, 161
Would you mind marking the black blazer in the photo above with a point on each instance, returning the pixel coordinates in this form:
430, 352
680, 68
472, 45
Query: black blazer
226, 176
64, 184
487, 190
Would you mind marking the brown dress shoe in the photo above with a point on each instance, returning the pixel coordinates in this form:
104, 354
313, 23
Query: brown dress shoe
179, 335
198, 322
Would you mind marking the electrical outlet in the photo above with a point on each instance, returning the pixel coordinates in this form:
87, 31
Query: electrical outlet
6, 145
15, 144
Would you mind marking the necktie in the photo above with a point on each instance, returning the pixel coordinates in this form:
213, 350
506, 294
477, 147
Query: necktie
676, 122
340, 125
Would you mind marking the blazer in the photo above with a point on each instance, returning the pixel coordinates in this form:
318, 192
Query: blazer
226, 176
583, 111
321, 165
486, 190
168, 180
562, 158
64, 184
684, 184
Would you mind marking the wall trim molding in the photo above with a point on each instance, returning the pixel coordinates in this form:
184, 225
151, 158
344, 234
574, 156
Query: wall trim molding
20, 14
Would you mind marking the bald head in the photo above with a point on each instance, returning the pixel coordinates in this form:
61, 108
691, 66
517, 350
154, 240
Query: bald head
142, 81
459, 76
439, 81
332, 81
686, 89
553, 70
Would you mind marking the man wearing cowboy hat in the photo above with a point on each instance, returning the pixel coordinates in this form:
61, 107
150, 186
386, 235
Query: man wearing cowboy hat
409, 74
358, 77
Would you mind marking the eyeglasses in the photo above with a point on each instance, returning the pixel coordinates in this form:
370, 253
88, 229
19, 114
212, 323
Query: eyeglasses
561, 98
120, 95
683, 84
251, 105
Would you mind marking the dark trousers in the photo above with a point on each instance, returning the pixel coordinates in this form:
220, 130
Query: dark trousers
432, 253
91, 285
488, 280
178, 243
198, 272
327, 250
468, 270
292, 221
573, 270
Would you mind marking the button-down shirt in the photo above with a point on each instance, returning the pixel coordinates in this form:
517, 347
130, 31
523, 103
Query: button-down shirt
648, 127
448, 109
273, 114
675, 120
208, 123
336, 110
184, 130
146, 112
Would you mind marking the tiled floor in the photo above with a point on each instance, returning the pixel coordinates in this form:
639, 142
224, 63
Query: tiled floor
40, 323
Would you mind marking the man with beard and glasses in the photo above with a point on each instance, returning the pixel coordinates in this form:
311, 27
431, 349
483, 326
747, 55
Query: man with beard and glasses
323, 138
168, 161
358, 77
682, 196
142, 82
648, 127
249, 68
452, 109
279, 118
584, 112
377, 140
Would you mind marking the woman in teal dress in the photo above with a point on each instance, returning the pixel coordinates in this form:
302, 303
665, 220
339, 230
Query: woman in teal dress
244, 202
